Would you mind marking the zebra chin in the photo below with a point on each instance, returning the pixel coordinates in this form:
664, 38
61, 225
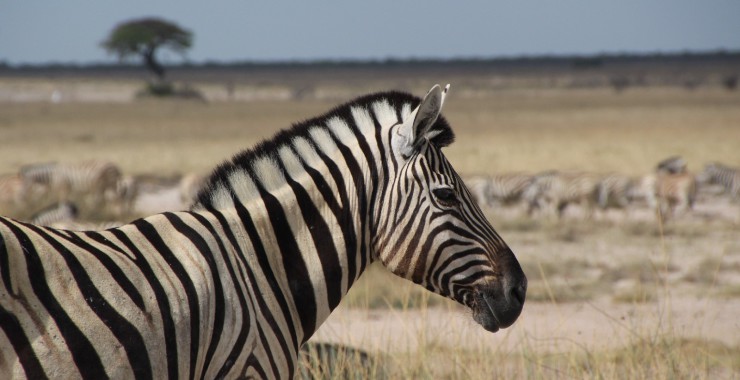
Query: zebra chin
496, 306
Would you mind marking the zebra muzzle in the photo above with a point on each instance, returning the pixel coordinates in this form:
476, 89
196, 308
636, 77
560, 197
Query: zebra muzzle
498, 305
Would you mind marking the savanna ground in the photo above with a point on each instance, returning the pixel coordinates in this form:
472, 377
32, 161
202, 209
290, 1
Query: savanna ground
608, 298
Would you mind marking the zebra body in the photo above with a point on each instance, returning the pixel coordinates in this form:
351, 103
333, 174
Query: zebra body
58, 213
613, 190
553, 191
276, 238
499, 189
726, 176
22, 199
75, 225
90, 185
675, 193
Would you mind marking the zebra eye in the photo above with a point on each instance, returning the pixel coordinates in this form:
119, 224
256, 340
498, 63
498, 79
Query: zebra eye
445, 196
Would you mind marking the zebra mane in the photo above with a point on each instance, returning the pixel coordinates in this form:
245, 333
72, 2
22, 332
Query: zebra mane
243, 161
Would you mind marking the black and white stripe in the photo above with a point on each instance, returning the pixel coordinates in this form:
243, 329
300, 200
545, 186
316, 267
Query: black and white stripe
616, 191
553, 191
499, 189
58, 213
719, 174
276, 238
92, 186
74, 178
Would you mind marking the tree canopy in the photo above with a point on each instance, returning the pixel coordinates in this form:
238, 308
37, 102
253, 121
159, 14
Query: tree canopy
143, 37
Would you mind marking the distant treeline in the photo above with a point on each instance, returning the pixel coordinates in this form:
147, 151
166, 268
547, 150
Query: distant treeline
532, 62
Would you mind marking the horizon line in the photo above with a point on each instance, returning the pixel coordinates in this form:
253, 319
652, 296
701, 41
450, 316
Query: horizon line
389, 60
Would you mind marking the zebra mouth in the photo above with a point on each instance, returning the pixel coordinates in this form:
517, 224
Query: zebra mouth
494, 308
484, 313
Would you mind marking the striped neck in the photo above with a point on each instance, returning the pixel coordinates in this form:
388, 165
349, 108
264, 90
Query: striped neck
309, 194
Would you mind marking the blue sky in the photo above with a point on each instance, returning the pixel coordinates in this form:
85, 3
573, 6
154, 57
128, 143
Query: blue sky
69, 31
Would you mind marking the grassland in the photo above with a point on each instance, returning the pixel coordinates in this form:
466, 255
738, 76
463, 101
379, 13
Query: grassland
606, 299
514, 130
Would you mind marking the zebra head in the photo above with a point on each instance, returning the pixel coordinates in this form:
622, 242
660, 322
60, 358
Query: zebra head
433, 233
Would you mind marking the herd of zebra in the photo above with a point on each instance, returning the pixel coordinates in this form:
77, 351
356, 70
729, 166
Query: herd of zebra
90, 195
276, 236
95, 195
671, 189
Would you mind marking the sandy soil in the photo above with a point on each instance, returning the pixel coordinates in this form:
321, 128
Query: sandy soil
593, 285
596, 325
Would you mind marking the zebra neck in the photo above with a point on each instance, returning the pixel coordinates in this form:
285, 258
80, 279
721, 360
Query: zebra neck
308, 235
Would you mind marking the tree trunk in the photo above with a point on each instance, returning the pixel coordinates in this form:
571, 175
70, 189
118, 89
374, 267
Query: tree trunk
153, 65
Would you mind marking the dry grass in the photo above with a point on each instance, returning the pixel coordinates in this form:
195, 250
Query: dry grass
142, 137
607, 266
640, 263
508, 131
660, 353
593, 130
663, 358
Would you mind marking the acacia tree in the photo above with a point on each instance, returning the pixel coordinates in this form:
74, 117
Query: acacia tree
143, 37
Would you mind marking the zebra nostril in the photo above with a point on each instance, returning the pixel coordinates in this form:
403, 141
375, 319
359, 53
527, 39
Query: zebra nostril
519, 293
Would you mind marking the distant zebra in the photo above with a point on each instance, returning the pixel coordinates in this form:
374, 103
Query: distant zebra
644, 191
675, 193
499, 189
58, 213
614, 191
671, 165
726, 176
553, 191
22, 199
90, 185
277, 236
13, 191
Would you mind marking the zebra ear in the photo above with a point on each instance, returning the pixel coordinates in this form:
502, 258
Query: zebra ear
424, 117
427, 113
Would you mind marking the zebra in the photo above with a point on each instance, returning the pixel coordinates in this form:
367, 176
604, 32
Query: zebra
553, 191
22, 199
58, 213
499, 189
675, 193
614, 190
90, 185
726, 176
671, 165
236, 285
